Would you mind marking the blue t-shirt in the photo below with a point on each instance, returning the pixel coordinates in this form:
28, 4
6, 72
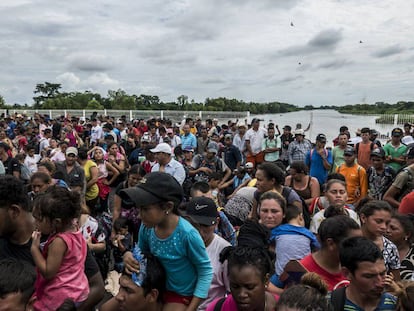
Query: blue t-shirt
188, 141
237, 181
183, 256
315, 162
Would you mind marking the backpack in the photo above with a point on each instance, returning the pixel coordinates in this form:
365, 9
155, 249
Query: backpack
215, 166
219, 304
305, 211
371, 147
358, 169
338, 298
311, 153
104, 259
313, 149
188, 182
409, 185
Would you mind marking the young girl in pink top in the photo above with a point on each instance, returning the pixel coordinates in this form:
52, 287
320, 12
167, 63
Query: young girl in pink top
60, 261
250, 267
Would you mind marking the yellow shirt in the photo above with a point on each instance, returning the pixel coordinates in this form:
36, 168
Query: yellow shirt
252, 183
93, 191
193, 130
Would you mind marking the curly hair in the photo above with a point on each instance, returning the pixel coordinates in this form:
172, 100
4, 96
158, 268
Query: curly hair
58, 202
241, 256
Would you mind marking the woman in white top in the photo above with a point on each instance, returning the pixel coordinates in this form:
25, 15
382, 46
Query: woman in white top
336, 195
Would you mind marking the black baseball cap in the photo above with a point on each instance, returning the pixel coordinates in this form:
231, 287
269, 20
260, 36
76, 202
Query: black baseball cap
153, 188
378, 152
321, 138
256, 120
397, 132
203, 211
349, 151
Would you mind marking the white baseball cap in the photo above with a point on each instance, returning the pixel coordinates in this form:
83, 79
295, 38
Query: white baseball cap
162, 147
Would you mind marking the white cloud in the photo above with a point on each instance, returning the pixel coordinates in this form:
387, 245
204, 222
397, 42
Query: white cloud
100, 82
69, 80
240, 49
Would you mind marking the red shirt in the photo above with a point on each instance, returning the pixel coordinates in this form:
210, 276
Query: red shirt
332, 280
407, 204
147, 165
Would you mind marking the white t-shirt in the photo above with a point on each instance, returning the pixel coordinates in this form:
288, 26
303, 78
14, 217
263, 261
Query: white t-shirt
57, 155
220, 283
31, 163
43, 144
256, 138
96, 133
319, 217
175, 141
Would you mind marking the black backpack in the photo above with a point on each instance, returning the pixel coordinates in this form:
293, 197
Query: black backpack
371, 147
188, 182
338, 298
409, 185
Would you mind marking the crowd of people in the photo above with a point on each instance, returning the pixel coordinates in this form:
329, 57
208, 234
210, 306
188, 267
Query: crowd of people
115, 214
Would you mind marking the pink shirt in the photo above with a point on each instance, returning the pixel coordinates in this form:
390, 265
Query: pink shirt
70, 281
229, 304
72, 139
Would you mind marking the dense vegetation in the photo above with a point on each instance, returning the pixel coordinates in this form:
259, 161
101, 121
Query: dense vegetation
379, 108
49, 96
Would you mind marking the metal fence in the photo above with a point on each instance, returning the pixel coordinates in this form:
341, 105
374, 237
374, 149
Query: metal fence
174, 115
395, 119
178, 115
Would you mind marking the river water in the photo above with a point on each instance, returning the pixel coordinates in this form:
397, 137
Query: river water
327, 122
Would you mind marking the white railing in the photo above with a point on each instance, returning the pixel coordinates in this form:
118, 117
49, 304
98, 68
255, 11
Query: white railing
174, 115
396, 119
178, 115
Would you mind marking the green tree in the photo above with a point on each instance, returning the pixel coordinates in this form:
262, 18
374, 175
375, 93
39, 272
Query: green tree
94, 104
2, 102
121, 100
182, 100
46, 91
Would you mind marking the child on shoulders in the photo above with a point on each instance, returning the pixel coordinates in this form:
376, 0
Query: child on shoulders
60, 263
292, 241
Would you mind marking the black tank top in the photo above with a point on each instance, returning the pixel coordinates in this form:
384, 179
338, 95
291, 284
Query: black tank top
305, 193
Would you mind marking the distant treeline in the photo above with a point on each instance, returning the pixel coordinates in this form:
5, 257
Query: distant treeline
49, 96
401, 107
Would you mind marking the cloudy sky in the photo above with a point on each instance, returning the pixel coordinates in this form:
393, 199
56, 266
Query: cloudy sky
304, 52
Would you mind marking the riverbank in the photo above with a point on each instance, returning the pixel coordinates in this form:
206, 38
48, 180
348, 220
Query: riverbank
328, 122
